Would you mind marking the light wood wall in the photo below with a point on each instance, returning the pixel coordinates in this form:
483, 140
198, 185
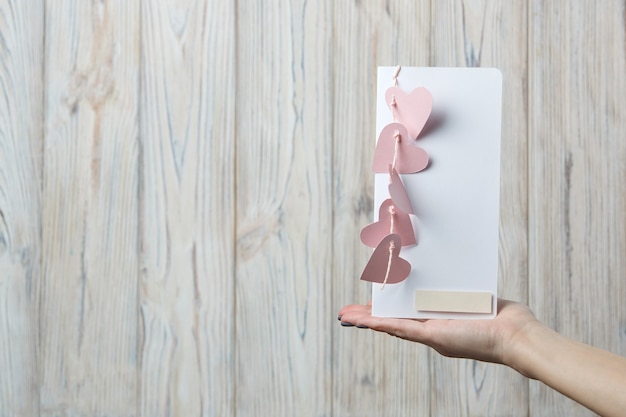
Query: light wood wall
182, 184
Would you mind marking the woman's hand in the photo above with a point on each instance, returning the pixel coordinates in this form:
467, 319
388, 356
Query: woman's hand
485, 340
593, 377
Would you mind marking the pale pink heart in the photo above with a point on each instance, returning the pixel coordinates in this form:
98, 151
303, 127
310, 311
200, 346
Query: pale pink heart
410, 158
398, 192
412, 109
376, 268
372, 234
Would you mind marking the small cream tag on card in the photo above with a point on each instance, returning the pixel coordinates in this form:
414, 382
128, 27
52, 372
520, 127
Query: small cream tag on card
453, 301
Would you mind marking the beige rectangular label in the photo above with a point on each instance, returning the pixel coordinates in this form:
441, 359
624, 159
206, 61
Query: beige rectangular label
453, 301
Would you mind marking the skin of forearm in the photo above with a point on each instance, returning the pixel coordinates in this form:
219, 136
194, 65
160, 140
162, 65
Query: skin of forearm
593, 377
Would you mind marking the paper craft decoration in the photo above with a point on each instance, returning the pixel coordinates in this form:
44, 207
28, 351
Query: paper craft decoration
394, 140
437, 162
411, 109
390, 220
385, 266
398, 193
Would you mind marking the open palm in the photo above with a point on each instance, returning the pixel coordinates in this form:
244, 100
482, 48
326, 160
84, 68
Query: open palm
485, 340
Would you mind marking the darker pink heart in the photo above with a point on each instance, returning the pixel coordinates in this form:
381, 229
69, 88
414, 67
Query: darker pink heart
412, 109
372, 234
376, 268
409, 158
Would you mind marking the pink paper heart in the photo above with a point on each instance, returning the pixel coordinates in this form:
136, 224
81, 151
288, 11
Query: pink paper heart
372, 234
412, 109
398, 193
376, 267
410, 158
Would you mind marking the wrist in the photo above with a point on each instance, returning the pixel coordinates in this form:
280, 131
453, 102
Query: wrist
521, 351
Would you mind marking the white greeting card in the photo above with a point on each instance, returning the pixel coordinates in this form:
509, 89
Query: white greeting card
452, 116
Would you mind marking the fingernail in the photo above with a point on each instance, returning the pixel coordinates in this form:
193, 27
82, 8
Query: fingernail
360, 326
345, 324
339, 318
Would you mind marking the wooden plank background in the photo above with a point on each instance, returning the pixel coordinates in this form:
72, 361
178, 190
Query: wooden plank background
182, 184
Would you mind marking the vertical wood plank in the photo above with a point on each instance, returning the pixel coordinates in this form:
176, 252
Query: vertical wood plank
491, 34
374, 374
90, 210
577, 178
187, 208
21, 122
284, 212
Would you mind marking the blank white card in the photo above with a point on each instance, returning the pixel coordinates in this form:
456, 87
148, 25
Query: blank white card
454, 266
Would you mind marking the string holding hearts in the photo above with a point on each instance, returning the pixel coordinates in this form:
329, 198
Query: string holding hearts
390, 220
411, 109
385, 265
398, 193
394, 146
395, 154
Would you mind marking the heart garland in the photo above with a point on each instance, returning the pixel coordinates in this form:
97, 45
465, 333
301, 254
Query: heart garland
386, 261
394, 147
396, 154
412, 109
391, 220
398, 193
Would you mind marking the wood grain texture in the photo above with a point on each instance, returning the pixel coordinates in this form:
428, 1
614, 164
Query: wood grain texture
374, 374
182, 186
21, 120
490, 34
88, 319
187, 209
577, 232
284, 212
